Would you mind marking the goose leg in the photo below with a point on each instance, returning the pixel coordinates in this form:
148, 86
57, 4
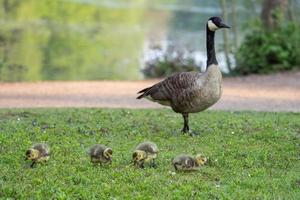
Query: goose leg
153, 164
186, 128
142, 166
175, 166
186, 123
32, 164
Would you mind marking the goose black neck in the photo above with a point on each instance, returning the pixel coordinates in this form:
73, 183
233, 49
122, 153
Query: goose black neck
210, 48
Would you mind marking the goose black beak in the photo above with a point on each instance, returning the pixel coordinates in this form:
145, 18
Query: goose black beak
222, 25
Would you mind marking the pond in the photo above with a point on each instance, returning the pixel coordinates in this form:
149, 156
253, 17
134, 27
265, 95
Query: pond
96, 40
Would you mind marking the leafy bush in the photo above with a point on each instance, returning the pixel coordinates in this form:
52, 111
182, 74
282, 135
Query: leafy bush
265, 51
168, 61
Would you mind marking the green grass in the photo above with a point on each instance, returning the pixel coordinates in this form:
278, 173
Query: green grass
251, 155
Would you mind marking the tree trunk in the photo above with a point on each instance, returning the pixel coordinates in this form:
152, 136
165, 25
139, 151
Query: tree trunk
273, 12
291, 14
225, 36
234, 24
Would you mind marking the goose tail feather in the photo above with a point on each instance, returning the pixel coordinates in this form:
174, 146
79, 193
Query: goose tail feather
145, 92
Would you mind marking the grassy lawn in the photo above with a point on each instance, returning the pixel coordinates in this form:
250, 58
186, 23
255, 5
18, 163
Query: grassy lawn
251, 155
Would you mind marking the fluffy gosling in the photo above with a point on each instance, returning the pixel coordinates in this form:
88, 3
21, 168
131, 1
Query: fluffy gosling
145, 152
38, 153
186, 162
100, 154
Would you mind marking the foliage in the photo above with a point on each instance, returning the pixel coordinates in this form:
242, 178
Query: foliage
92, 40
169, 61
68, 40
265, 51
251, 155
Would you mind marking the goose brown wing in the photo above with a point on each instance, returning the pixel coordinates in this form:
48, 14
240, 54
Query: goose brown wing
148, 147
171, 86
97, 150
42, 148
190, 162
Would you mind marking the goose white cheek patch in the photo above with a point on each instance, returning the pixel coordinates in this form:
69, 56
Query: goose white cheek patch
212, 26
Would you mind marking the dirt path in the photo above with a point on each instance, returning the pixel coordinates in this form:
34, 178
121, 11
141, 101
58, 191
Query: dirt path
280, 92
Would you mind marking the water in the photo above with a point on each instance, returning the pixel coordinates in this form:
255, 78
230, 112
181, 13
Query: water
93, 39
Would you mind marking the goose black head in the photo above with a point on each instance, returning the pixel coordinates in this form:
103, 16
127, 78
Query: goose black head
215, 23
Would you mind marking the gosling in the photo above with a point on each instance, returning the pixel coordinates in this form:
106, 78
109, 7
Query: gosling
145, 152
187, 163
100, 154
38, 153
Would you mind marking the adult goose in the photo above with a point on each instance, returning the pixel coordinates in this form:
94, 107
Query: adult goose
191, 92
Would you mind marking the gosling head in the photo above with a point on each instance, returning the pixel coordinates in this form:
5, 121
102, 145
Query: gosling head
107, 153
215, 23
32, 154
200, 159
138, 155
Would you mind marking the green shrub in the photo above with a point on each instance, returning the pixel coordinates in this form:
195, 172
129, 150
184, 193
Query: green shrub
265, 51
169, 61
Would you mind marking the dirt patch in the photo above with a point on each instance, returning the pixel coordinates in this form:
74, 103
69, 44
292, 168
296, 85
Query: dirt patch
279, 92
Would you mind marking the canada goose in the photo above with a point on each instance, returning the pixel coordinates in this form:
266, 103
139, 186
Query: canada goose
186, 162
191, 92
100, 154
145, 152
38, 153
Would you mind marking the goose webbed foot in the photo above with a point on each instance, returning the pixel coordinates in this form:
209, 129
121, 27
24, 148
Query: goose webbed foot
193, 133
185, 129
32, 164
153, 164
190, 132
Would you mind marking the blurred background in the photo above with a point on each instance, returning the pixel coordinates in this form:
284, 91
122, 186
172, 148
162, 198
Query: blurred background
137, 39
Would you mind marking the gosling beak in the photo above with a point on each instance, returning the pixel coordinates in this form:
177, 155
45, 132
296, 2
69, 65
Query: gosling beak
222, 25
